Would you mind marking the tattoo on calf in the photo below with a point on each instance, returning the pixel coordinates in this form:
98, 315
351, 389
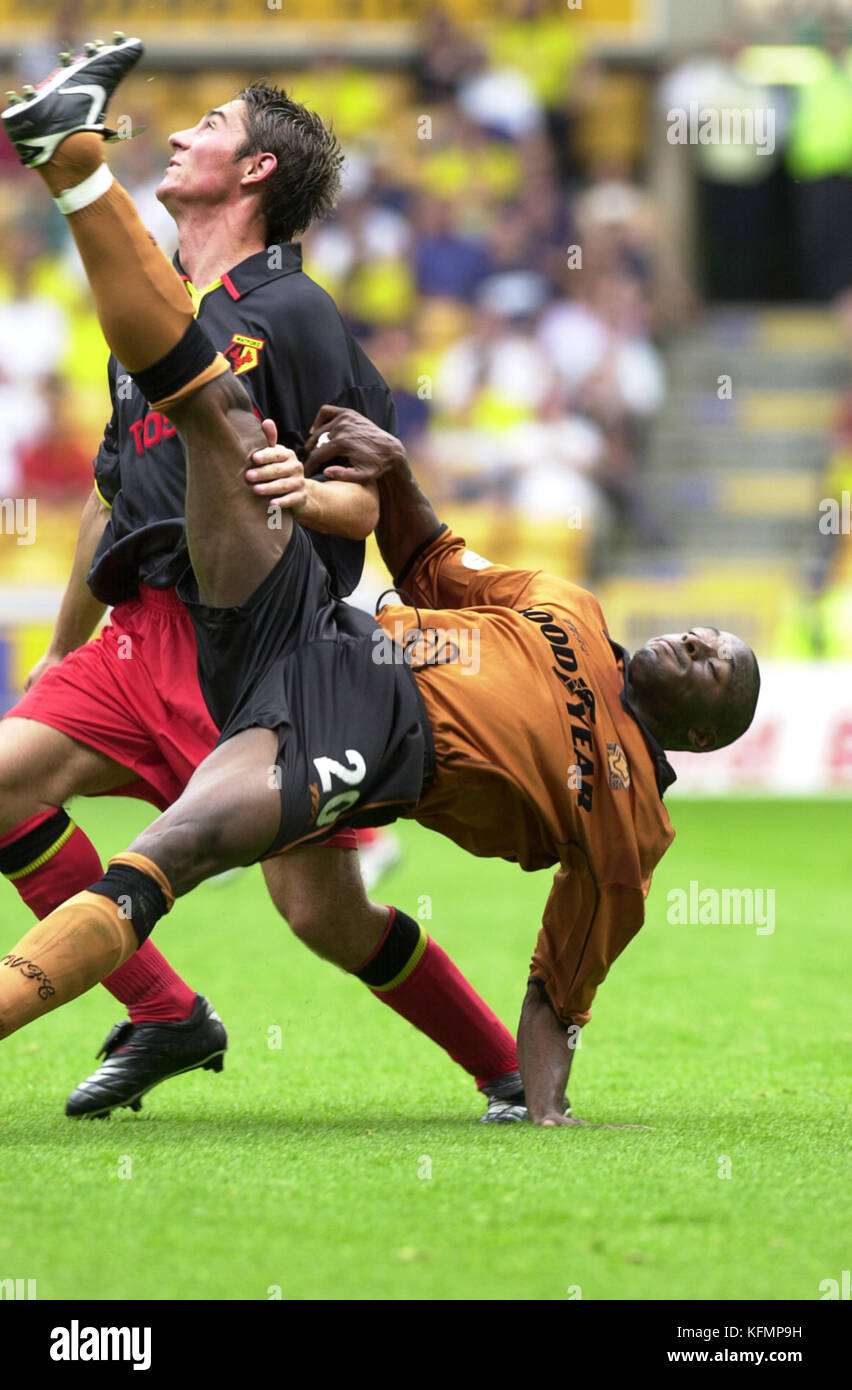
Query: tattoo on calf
30, 971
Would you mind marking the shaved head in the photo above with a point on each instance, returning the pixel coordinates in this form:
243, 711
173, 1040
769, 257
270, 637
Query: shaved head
696, 690
741, 704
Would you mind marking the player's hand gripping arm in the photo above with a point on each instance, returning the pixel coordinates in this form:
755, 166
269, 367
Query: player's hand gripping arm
434, 566
406, 516
347, 508
80, 610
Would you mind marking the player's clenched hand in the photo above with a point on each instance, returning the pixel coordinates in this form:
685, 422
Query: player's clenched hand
277, 474
338, 433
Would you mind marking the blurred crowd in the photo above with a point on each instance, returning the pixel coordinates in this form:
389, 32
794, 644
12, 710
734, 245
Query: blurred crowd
494, 249
498, 248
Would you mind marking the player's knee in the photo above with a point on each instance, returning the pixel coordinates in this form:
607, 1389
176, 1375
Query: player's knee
319, 893
325, 937
303, 909
346, 938
208, 407
311, 918
292, 897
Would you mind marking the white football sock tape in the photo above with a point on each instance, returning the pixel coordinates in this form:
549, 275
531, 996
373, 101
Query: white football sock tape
82, 194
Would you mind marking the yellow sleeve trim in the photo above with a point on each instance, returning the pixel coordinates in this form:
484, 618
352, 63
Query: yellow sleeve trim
107, 504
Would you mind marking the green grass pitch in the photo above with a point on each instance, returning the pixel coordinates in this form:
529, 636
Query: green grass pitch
347, 1163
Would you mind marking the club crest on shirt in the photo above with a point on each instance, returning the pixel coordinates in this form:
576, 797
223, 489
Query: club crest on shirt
619, 772
243, 352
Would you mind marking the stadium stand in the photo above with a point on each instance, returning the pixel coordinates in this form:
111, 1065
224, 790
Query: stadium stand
510, 256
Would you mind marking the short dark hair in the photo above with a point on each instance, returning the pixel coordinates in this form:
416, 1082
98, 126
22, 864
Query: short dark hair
306, 184
741, 703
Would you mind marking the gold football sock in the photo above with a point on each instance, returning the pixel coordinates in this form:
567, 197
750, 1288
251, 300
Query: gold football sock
73, 948
142, 304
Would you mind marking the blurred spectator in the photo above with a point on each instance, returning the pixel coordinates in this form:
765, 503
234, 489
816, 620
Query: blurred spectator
740, 194
622, 230
52, 462
819, 158
33, 332
494, 376
600, 347
501, 100
610, 108
544, 44
361, 259
445, 261
464, 162
446, 56
556, 458
392, 350
33, 328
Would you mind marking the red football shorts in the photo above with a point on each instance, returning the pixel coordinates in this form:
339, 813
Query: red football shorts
133, 694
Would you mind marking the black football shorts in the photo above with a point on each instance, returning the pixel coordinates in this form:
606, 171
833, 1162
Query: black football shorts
354, 743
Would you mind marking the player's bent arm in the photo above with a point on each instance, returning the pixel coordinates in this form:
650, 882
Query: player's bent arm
341, 509
407, 518
433, 566
585, 926
544, 1058
79, 611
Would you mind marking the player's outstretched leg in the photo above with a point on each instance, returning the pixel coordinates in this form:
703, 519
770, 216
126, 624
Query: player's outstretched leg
48, 859
228, 815
147, 320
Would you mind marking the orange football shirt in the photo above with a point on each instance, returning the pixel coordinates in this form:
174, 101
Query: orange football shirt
537, 759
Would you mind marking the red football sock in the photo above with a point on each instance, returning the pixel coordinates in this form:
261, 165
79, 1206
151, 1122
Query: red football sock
424, 987
152, 991
49, 859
